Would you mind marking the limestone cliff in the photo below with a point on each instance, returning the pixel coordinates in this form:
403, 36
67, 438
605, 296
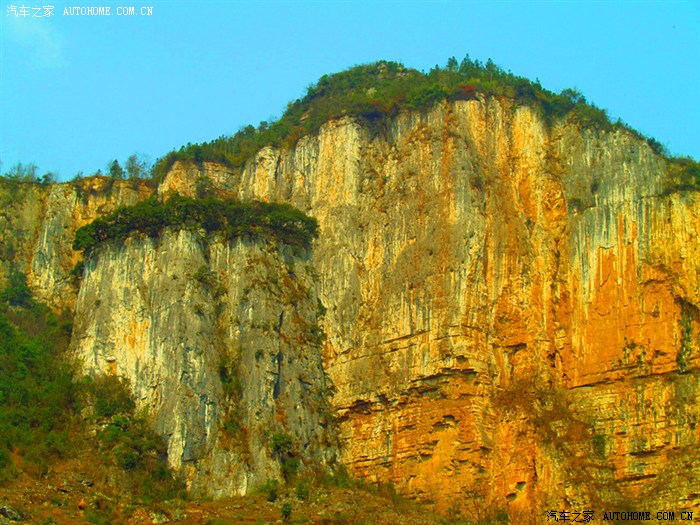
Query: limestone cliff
512, 306
217, 340
512, 310
38, 223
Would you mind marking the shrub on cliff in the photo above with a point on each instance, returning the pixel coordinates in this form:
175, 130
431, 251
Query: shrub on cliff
17, 293
112, 396
231, 217
40, 403
22, 173
28, 173
127, 442
282, 447
683, 174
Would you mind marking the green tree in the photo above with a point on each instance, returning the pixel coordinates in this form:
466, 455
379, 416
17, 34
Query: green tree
48, 178
17, 292
23, 172
573, 95
115, 170
137, 167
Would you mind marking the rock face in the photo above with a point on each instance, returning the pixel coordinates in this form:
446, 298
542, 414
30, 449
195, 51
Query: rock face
512, 311
38, 223
512, 307
221, 344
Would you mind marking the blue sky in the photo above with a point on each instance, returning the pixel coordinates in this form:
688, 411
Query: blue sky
78, 91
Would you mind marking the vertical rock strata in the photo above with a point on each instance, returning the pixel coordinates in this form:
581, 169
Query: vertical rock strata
511, 309
216, 338
38, 223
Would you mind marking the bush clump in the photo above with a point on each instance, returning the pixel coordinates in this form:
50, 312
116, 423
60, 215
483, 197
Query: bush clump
271, 489
282, 447
127, 441
112, 396
683, 174
231, 217
286, 511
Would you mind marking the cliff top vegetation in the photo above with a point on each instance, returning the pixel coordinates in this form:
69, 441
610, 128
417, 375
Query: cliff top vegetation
231, 217
373, 92
377, 91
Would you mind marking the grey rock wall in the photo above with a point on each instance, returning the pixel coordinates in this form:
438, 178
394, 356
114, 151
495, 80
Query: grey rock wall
217, 340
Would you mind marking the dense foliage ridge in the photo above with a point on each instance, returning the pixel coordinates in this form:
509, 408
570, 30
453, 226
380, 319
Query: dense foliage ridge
376, 91
373, 93
231, 217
